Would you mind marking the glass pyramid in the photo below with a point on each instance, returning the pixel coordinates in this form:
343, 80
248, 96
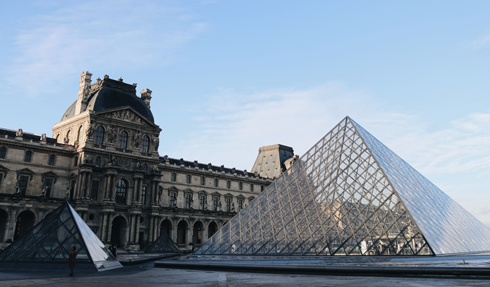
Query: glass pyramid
350, 195
163, 244
52, 240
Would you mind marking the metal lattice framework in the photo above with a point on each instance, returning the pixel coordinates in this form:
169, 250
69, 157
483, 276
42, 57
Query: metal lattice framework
52, 240
349, 195
163, 244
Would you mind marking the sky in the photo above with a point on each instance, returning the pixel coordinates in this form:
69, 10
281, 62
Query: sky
231, 76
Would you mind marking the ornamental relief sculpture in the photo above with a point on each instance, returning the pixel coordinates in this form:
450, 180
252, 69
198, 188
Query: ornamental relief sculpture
125, 115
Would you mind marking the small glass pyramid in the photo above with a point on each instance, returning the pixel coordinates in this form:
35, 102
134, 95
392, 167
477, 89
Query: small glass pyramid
52, 240
163, 244
350, 195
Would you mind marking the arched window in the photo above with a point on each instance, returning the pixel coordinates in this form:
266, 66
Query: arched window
123, 140
79, 135
121, 191
97, 161
67, 139
146, 144
28, 156
3, 152
99, 135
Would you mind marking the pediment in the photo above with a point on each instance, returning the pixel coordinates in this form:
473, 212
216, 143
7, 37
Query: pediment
49, 174
127, 114
25, 171
4, 170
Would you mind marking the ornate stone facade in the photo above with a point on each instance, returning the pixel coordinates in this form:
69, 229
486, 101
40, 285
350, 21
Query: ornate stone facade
104, 159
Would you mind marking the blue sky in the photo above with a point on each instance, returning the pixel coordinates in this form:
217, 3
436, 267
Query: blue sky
230, 76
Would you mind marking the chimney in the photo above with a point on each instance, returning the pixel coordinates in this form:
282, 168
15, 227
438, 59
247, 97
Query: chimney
83, 92
146, 96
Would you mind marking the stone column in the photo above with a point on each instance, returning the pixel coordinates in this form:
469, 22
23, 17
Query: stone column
89, 185
137, 229
109, 225
150, 227
103, 224
204, 232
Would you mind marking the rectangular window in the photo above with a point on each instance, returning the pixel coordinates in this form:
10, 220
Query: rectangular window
23, 184
94, 192
215, 203
251, 187
188, 180
172, 199
51, 159
216, 183
228, 184
27, 157
228, 204
143, 194
240, 186
188, 200
240, 204
203, 180
48, 182
3, 152
173, 177
202, 200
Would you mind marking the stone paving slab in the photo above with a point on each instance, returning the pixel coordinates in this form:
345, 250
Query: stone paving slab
148, 276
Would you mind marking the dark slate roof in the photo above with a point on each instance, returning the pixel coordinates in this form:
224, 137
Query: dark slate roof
208, 166
108, 94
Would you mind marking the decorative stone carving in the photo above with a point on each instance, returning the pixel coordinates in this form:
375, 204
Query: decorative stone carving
90, 130
137, 139
112, 134
156, 141
126, 115
43, 137
44, 191
19, 133
146, 96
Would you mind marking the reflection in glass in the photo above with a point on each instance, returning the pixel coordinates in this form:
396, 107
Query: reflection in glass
350, 195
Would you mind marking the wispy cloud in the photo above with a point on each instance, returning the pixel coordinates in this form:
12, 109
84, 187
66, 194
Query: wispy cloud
482, 42
109, 35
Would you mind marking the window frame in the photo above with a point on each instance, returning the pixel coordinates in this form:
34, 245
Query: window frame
228, 184
123, 140
121, 191
51, 159
3, 152
173, 176
202, 201
28, 156
99, 135
145, 146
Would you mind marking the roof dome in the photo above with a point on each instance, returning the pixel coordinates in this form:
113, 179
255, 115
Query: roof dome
109, 94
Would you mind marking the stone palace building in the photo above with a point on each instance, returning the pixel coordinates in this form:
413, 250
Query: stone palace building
103, 158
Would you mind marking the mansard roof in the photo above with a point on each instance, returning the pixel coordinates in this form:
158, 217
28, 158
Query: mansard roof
110, 94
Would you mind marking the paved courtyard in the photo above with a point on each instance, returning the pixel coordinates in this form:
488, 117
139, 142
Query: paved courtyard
146, 275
